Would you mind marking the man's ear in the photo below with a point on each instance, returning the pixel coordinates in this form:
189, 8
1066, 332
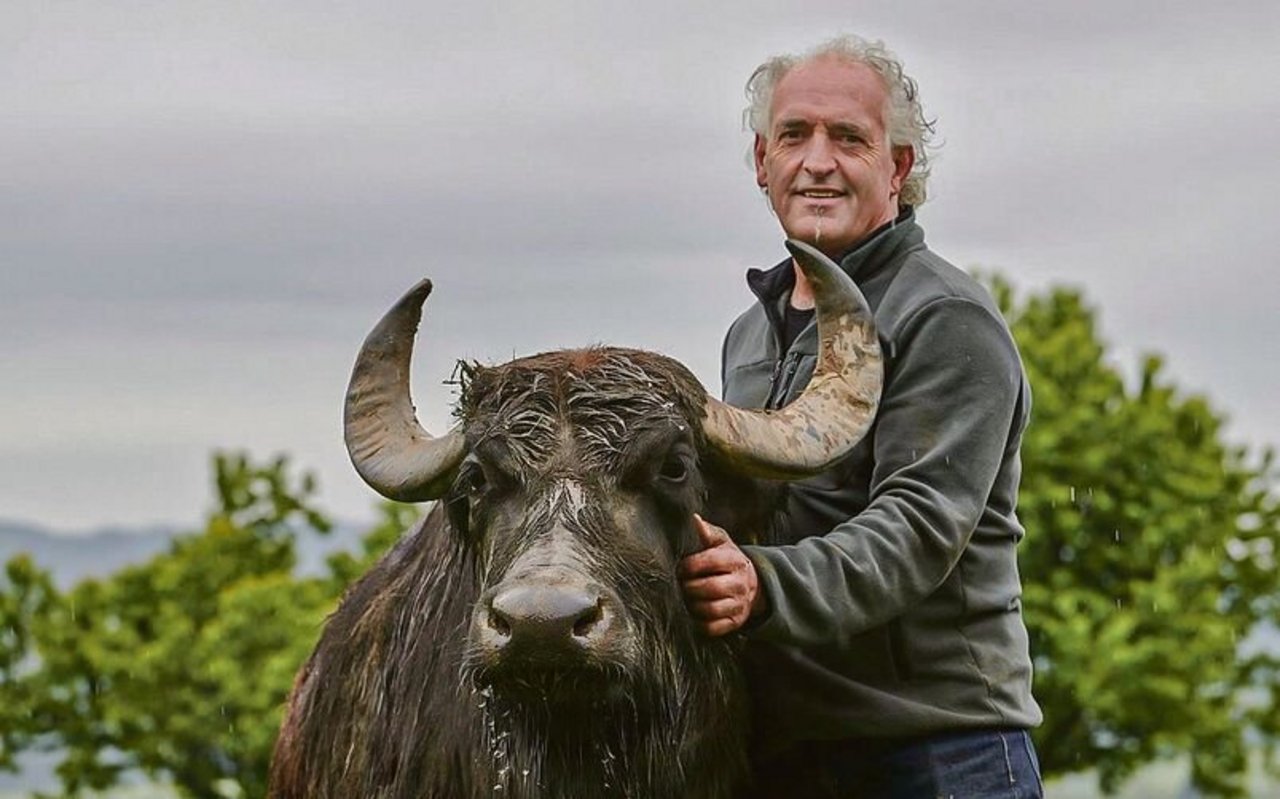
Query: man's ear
904, 157
758, 149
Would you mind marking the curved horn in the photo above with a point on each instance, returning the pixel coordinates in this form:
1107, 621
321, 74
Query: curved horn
390, 450
837, 407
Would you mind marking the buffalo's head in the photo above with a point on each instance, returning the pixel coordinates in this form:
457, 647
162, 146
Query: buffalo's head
576, 493
574, 476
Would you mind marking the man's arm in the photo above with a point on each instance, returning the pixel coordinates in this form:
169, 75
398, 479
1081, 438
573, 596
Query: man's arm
940, 436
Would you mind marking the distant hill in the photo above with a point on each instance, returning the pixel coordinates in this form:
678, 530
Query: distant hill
71, 557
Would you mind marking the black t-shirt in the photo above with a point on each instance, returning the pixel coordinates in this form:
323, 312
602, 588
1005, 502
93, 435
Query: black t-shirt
794, 321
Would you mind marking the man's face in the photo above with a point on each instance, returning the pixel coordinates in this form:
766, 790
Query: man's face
830, 173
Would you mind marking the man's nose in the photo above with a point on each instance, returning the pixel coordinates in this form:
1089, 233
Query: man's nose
819, 156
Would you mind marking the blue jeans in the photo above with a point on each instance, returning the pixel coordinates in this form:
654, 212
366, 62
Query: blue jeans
1000, 764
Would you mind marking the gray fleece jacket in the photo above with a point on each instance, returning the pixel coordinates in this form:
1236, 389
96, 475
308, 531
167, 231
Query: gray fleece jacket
895, 601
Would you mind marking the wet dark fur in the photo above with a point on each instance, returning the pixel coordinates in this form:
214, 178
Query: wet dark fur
393, 704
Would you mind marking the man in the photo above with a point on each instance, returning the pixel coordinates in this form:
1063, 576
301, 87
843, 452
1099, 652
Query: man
885, 644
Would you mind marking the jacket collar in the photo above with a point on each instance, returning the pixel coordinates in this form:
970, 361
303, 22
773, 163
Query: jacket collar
871, 255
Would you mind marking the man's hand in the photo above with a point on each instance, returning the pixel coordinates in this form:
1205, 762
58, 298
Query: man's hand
720, 583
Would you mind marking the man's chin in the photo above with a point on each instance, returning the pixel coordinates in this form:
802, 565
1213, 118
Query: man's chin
824, 238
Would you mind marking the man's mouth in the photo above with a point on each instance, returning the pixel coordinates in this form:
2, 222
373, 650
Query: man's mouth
820, 194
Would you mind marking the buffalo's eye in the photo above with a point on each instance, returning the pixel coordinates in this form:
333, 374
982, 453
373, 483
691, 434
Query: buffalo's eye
674, 469
466, 500
474, 482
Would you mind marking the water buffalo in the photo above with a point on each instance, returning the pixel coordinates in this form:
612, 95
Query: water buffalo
529, 638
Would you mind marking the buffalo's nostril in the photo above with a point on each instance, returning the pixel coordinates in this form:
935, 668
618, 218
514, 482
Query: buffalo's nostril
546, 617
498, 623
587, 621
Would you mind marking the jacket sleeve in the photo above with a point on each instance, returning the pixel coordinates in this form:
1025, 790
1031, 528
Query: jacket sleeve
951, 389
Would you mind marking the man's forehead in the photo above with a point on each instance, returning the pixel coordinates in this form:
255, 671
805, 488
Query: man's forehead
832, 87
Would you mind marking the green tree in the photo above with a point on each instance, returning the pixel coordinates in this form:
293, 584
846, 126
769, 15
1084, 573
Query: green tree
179, 666
1148, 559
26, 595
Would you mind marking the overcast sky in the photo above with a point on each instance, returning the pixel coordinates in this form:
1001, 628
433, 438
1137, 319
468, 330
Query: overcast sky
205, 206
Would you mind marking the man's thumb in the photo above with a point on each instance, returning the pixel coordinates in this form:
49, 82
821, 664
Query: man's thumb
708, 533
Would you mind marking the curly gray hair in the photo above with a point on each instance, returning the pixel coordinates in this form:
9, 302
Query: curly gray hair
906, 123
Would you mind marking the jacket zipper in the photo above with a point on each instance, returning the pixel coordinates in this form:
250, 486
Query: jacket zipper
773, 383
778, 389
792, 368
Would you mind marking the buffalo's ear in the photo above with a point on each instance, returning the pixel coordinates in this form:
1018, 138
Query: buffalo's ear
749, 508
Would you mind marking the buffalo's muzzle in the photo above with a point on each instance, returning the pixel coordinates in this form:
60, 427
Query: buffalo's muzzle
543, 627
547, 617
545, 622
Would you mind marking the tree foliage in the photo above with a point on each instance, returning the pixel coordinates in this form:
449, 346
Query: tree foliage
178, 666
1148, 560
